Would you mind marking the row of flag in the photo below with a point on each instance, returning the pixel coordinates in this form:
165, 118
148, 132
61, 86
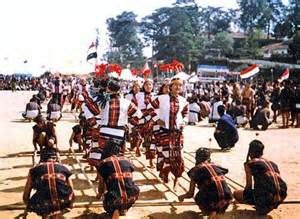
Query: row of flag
254, 69
247, 73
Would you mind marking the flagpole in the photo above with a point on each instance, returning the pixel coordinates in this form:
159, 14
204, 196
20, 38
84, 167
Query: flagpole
97, 43
272, 75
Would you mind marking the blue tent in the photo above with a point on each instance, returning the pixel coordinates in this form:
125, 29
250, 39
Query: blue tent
213, 68
23, 75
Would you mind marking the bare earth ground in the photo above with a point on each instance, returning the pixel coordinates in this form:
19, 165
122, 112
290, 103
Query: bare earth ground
156, 198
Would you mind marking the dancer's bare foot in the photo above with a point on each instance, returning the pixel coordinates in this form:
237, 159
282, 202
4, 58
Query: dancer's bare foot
175, 183
151, 164
116, 214
137, 152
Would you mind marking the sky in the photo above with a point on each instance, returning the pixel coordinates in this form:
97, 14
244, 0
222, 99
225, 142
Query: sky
55, 34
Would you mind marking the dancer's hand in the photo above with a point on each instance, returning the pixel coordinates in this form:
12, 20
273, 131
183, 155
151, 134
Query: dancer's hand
161, 123
181, 198
149, 126
99, 195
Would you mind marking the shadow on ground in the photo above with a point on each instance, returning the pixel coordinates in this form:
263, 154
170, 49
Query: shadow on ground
234, 214
183, 215
20, 121
147, 181
151, 195
93, 215
18, 189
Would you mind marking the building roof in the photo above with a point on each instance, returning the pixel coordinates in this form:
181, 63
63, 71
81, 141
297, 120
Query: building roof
238, 35
275, 46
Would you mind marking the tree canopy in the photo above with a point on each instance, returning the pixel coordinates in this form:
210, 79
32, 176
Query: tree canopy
187, 32
125, 45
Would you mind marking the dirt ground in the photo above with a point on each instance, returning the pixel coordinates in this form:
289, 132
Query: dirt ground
157, 200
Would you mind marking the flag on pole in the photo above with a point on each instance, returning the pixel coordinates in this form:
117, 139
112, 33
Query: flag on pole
146, 71
92, 53
249, 72
285, 75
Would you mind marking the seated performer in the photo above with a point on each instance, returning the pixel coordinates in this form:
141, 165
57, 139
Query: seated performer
54, 111
261, 117
238, 112
226, 133
194, 110
76, 135
53, 186
116, 177
214, 195
32, 110
214, 116
43, 132
269, 188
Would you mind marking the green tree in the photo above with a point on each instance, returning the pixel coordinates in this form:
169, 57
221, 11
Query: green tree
125, 45
294, 47
294, 15
283, 29
216, 19
224, 42
251, 44
174, 32
262, 14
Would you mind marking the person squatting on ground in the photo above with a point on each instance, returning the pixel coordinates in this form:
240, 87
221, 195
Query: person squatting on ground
238, 113
194, 110
76, 135
170, 111
32, 110
261, 117
54, 190
53, 111
214, 194
269, 189
214, 115
116, 178
43, 133
226, 133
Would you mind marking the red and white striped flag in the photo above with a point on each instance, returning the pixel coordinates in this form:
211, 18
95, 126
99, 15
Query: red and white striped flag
249, 72
146, 71
92, 53
285, 75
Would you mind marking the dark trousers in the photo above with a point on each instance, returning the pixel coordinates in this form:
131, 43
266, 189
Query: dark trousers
265, 124
225, 140
57, 98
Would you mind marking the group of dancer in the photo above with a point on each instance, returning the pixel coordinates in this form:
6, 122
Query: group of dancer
154, 122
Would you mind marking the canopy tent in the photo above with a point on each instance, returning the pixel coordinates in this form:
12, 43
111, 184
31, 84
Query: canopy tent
114, 75
213, 68
182, 75
127, 75
193, 79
